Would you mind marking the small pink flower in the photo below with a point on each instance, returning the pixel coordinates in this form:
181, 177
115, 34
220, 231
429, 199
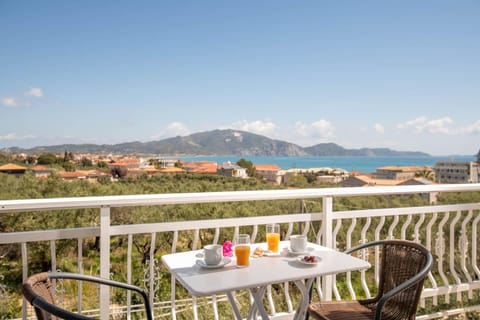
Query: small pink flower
227, 249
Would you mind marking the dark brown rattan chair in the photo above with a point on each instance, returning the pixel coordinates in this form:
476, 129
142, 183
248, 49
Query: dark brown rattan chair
38, 290
403, 268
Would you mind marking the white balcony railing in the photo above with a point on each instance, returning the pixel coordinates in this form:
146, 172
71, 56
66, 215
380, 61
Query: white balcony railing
449, 231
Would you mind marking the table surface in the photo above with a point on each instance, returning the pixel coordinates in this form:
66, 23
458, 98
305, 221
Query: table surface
262, 271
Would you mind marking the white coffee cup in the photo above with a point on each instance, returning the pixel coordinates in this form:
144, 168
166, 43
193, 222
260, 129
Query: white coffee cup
298, 243
212, 254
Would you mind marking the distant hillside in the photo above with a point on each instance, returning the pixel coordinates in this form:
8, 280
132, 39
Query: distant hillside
218, 142
332, 149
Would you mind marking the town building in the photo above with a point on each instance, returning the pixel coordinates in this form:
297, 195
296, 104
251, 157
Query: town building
137, 172
457, 172
40, 171
200, 167
399, 172
269, 172
366, 181
337, 175
89, 175
330, 178
13, 169
232, 170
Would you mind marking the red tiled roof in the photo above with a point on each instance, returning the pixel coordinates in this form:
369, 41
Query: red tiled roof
71, 174
201, 167
81, 174
11, 166
266, 167
40, 168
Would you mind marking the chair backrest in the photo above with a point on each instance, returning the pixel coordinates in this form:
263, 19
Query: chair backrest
39, 286
402, 261
38, 290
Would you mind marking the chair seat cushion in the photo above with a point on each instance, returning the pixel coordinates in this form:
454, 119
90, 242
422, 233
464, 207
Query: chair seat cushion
336, 310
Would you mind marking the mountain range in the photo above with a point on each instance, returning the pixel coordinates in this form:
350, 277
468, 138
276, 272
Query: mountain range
218, 142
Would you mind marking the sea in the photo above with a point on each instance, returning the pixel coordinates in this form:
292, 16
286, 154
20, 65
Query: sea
361, 164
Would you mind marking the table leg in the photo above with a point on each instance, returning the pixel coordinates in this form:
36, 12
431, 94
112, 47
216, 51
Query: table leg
304, 289
257, 294
233, 303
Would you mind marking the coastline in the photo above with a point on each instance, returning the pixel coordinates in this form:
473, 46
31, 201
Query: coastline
362, 164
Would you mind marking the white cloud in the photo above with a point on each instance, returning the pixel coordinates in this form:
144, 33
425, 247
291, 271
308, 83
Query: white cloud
10, 102
473, 128
172, 130
379, 128
8, 136
318, 129
266, 127
14, 136
443, 125
434, 126
34, 92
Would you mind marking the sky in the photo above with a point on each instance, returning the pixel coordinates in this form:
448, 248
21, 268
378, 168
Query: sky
403, 75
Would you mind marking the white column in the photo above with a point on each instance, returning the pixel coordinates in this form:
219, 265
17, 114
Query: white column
327, 241
104, 261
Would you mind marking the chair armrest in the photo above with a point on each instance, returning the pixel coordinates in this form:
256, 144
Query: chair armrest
58, 312
108, 282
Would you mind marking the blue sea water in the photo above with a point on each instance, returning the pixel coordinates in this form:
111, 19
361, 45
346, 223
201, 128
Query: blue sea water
362, 164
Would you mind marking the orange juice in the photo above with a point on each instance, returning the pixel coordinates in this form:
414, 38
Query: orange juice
242, 252
273, 239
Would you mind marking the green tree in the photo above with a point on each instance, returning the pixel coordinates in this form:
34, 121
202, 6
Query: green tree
67, 156
47, 158
154, 162
251, 171
298, 181
30, 159
178, 164
102, 165
86, 162
68, 166
311, 177
426, 173
119, 172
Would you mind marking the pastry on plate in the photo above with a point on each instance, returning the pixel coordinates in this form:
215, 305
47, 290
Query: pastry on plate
258, 252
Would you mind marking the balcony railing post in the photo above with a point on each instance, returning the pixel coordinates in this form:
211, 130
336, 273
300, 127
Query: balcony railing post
327, 241
104, 260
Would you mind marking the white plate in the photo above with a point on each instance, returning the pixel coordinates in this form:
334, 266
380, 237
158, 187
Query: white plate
224, 262
317, 260
296, 253
269, 253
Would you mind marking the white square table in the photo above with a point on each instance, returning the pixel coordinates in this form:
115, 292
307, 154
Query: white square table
261, 272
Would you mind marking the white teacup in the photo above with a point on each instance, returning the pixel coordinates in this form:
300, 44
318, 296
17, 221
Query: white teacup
298, 243
213, 254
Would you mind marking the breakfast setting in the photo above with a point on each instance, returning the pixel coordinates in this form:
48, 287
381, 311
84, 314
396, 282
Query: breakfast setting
240, 252
243, 265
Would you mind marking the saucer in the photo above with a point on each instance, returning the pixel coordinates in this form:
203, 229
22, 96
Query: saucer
224, 262
296, 253
301, 260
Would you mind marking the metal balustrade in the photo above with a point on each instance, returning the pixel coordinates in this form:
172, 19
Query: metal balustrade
449, 231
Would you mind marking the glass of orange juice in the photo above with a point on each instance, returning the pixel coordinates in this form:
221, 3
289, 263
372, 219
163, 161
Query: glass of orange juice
273, 236
242, 250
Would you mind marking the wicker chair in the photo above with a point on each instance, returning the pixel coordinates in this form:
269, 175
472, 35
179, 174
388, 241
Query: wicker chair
404, 266
38, 290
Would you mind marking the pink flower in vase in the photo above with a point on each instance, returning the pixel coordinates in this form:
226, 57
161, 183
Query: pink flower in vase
227, 249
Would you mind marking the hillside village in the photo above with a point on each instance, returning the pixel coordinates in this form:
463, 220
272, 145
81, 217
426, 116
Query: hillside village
92, 167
